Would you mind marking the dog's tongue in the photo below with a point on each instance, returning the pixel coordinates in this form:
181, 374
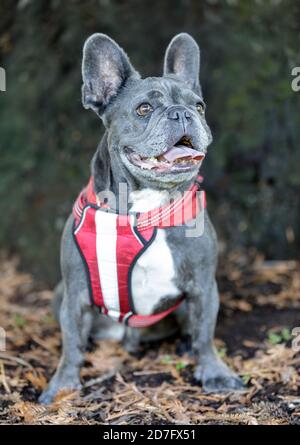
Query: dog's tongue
181, 151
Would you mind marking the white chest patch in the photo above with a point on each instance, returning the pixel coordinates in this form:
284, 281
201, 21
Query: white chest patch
154, 272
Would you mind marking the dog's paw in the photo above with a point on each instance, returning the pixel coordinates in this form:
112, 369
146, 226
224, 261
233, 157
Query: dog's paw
222, 383
46, 397
49, 394
217, 377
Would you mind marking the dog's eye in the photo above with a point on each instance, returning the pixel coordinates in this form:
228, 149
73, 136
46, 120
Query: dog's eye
144, 109
200, 108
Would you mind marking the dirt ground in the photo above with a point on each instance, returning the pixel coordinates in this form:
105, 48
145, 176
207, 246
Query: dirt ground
260, 307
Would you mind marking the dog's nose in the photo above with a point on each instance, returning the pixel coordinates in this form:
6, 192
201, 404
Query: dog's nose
179, 113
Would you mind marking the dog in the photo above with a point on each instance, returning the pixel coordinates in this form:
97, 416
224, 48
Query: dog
155, 141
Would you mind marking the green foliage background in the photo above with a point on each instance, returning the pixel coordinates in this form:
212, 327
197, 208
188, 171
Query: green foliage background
47, 139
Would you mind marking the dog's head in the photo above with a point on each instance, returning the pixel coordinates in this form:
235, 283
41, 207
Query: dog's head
157, 132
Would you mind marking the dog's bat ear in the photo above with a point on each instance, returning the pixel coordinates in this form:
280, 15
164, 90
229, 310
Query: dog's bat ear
182, 59
105, 70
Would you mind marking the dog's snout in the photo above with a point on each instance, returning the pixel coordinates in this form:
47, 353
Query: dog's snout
180, 114
187, 115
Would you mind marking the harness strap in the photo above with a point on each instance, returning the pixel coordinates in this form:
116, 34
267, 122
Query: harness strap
143, 321
176, 212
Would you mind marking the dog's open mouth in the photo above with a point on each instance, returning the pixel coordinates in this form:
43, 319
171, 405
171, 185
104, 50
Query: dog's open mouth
182, 156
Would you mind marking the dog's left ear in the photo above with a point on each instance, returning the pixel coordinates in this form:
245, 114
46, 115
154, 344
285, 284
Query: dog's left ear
105, 70
182, 59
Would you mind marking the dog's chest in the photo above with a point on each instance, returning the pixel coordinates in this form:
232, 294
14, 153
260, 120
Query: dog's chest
154, 272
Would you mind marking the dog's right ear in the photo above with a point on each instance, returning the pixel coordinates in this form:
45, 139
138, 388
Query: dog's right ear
105, 70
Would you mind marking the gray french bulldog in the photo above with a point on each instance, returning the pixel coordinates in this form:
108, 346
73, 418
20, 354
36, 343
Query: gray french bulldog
145, 119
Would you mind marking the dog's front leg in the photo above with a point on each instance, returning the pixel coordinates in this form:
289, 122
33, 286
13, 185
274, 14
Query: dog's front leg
76, 323
210, 369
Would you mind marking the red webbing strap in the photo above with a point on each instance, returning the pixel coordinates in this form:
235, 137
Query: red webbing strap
177, 212
143, 321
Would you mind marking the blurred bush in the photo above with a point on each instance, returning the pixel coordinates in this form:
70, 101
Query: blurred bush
47, 139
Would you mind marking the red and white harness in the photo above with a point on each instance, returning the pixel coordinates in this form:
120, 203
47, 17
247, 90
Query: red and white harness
110, 245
